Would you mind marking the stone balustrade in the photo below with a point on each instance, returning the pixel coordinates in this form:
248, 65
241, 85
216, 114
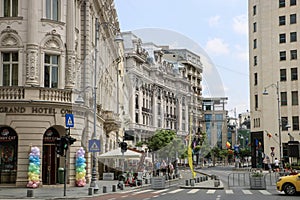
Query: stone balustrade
35, 94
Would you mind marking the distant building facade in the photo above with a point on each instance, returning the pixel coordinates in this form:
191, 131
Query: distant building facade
215, 121
274, 67
163, 88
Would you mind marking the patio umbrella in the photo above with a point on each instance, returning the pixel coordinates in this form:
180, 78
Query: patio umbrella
117, 153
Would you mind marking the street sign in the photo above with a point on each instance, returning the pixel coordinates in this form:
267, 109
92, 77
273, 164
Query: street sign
69, 120
94, 145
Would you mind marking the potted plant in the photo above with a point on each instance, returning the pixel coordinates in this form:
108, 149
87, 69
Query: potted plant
257, 181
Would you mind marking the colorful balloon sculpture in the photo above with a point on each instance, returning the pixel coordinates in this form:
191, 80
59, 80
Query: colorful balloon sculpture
34, 168
80, 168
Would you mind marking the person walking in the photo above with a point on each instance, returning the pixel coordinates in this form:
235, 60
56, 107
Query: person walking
276, 164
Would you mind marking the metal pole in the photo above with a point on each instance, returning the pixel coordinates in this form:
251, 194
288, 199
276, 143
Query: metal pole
279, 123
65, 174
94, 172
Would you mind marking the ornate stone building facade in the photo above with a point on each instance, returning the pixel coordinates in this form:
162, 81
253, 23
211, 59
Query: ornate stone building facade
163, 88
49, 51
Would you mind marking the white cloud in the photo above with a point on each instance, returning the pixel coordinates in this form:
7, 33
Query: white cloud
214, 21
242, 53
240, 24
217, 46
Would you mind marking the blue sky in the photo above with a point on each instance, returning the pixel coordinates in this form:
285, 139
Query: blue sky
219, 27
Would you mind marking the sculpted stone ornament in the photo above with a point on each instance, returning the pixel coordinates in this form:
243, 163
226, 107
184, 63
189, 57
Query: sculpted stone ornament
70, 71
32, 67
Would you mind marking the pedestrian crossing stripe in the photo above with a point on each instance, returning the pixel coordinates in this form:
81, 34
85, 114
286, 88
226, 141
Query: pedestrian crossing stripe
210, 191
247, 192
193, 191
142, 191
264, 192
160, 191
228, 191
175, 191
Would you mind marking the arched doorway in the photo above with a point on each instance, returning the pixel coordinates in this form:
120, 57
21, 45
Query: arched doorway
50, 158
8, 155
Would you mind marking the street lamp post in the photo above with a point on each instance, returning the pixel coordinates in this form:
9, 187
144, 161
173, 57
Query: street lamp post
118, 38
279, 115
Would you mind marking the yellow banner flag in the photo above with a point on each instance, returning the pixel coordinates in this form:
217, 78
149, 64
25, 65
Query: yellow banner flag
190, 151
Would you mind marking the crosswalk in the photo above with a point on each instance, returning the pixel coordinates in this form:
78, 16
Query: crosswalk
195, 191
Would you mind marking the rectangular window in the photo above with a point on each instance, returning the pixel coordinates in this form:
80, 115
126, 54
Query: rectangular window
284, 122
10, 8
281, 20
293, 37
254, 10
293, 54
51, 71
293, 2
295, 123
282, 74
255, 60
255, 78
282, 38
256, 101
293, 19
283, 97
52, 8
294, 98
254, 43
282, 55
254, 27
281, 3
10, 68
294, 74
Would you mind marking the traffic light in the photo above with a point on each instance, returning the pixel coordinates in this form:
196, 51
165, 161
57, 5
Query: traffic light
59, 147
70, 140
123, 146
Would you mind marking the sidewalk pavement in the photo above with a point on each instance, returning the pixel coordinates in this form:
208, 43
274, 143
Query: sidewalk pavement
57, 191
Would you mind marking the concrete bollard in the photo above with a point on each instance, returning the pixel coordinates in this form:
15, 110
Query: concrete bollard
186, 182
29, 193
104, 189
90, 191
192, 182
114, 188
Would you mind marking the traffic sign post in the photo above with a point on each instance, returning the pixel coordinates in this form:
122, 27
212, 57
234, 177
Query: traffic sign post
69, 120
94, 145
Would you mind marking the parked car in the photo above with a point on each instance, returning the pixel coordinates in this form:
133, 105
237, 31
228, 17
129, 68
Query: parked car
289, 184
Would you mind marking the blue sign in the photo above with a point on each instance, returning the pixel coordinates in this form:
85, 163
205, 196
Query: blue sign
69, 120
94, 145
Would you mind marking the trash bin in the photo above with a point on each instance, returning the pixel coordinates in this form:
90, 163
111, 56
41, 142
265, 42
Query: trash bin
60, 177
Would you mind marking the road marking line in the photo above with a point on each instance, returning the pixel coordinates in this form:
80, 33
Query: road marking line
210, 191
193, 191
159, 191
265, 192
247, 192
175, 191
229, 191
142, 191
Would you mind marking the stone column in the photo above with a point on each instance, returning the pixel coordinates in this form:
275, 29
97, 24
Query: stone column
70, 62
32, 64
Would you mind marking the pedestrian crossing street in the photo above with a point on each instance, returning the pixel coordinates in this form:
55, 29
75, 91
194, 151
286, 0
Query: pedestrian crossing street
195, 191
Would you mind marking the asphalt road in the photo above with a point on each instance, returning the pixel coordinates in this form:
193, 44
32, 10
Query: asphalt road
174, 192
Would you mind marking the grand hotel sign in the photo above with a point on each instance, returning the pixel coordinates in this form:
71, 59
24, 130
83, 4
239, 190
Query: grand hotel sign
36, 110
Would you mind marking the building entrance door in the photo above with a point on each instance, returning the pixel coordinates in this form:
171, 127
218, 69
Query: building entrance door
8, 155
50, 159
